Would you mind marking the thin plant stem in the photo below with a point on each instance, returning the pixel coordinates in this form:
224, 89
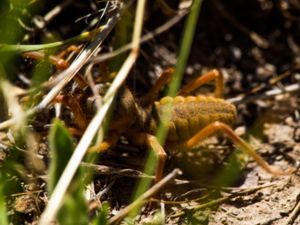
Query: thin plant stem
139, 201
185, 47
186, 43
62, 185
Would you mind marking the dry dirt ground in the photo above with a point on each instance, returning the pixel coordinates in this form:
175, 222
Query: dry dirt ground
223, 41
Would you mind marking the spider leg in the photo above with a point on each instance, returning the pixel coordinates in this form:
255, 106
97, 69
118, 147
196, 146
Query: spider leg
75, 107
153, 143
163, 79
204, 79
58, 61
160, 153
219, 126
108, 143
70, 49
166, 77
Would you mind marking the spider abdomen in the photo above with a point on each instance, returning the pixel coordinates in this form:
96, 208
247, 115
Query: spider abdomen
190, 114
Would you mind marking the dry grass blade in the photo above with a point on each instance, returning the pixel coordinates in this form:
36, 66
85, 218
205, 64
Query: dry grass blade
293, 214
267, 94
147, 37
85, 55
212, 203
13, 106
106, 170
63, 183
65, 76
145, 196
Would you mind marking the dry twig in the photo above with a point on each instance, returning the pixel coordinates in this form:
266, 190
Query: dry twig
154, 189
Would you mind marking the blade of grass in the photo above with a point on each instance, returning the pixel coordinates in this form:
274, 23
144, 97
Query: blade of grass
185, 47
13, 105
141, 199
59, 140
56, 199
61, 146
3, 209
102, 217
85, 55
65, 76
147, 37
16, 49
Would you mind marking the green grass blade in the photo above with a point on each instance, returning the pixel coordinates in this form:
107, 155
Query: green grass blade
185, 47
3, 209
61, 147
103, 215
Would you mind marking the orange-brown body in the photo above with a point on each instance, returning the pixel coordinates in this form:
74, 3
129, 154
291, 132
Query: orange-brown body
192, 113
192, 118
188, 115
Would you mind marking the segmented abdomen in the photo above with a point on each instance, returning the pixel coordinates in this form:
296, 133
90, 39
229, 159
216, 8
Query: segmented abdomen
190, 114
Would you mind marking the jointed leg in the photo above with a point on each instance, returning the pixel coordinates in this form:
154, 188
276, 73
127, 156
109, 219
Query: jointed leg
163, 79
58, 61
218, 126
150, 140
75, 107
71, 48
113, 136
204, 79
161, 154
106, 144
139, 139
166, 77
